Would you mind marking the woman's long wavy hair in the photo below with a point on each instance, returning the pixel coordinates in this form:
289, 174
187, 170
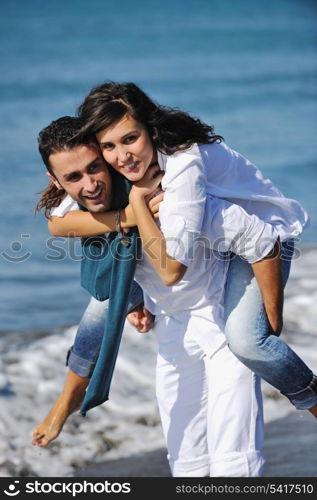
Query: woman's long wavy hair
59, 135
170, 129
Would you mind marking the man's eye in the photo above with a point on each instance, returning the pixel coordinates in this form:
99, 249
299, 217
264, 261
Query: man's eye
93, 168
73, 178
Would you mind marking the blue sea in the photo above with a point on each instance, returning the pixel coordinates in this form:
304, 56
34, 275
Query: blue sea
248, 67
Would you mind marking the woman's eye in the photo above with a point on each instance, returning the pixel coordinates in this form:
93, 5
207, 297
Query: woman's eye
131, 138
106, 145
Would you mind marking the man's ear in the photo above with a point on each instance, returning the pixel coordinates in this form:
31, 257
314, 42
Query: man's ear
54, 180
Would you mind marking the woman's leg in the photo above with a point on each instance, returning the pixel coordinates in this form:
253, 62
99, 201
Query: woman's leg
83, 354
67, 402
249, 339
81, 361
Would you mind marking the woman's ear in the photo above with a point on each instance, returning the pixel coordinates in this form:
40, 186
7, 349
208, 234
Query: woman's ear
54, 180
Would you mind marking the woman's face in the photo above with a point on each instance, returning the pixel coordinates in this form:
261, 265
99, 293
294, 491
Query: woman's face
127, 146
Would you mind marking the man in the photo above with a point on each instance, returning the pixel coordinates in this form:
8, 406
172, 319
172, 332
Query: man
78, 169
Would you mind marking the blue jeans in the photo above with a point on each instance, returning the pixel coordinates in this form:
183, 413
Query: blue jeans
247, 332
246, 329
83, 355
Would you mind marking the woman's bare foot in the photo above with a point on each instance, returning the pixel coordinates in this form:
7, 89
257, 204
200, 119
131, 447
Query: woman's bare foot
313, 411
52, 425
67, 403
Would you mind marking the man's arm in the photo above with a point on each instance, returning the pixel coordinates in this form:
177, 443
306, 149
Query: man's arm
77, 223
268, 273
228, 227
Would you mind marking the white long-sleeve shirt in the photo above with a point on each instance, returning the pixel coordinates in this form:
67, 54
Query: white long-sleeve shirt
216, 171
225, 228
195, 223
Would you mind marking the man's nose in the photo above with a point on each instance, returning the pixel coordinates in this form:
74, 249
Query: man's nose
90, 184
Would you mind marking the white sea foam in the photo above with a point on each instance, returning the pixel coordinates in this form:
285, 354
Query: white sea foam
32, 376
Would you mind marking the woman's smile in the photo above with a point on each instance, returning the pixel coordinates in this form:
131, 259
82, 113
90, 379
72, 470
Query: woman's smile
127, 147
130, 166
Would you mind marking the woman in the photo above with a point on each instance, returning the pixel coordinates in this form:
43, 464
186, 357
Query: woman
134, 132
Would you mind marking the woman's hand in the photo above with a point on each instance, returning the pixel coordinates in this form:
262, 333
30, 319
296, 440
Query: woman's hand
153, 201
168, 269
151, 180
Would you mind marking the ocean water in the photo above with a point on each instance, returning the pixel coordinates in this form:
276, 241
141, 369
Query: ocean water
247, 67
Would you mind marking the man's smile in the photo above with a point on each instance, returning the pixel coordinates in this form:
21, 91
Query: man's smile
96, 196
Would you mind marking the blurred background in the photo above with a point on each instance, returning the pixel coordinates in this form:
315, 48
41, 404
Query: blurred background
247, 67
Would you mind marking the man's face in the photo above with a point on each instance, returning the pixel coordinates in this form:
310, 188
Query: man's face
84, 175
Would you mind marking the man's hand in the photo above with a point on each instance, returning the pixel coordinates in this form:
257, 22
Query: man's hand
141, 319
275, 324
268, 273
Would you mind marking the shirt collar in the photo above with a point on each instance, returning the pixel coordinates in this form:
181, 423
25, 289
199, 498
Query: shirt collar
161, 159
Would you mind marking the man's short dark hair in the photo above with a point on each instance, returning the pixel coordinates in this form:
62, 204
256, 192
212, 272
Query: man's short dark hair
62, 134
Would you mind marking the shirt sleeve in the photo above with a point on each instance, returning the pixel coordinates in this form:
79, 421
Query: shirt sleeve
67, 205
182, 211
228, 227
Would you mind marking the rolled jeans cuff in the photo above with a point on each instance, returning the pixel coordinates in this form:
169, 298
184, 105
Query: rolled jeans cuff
306, 398
82, 367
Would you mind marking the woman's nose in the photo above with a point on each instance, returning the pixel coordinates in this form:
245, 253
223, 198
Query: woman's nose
123, 155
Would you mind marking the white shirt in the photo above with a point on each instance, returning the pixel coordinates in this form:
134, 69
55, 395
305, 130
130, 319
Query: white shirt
228, 228
65, 206
216, 170
194, 223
